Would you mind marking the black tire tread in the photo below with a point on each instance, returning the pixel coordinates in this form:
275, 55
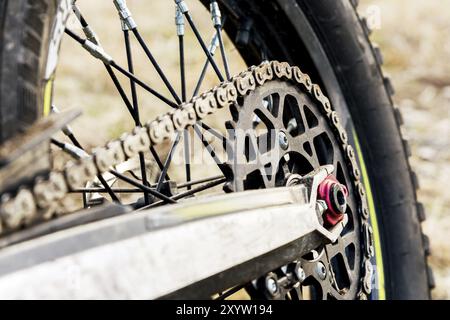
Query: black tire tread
20, 81
376, 51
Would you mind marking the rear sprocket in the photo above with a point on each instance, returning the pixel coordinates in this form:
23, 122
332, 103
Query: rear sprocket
279, 133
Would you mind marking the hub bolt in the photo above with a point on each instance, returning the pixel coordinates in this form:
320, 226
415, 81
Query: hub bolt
321, 271
300, 273
338, 199
271, 285
283, 140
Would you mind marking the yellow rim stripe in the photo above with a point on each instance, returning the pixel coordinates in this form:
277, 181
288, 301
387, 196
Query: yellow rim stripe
374, 223
48, 97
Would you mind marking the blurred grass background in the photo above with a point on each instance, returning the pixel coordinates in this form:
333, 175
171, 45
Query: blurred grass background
414, 36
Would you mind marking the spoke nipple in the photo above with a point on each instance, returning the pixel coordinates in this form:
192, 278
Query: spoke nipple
216, 15
97, 52
91, 35
179, 21
214, 44
182, 5
128, 22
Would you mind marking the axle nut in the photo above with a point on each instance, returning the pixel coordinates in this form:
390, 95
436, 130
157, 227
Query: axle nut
335, 196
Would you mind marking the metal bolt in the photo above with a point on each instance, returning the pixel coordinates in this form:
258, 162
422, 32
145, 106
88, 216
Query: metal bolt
283, 140
272, 286
339, 198
321, 270
300, 273
321, 207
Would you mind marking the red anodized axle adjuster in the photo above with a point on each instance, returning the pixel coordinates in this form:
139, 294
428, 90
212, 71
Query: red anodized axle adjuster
335, 196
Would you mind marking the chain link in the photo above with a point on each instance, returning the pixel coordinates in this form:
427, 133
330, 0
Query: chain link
30, 205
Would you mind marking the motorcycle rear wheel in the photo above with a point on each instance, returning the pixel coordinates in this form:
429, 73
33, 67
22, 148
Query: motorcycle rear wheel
329, 41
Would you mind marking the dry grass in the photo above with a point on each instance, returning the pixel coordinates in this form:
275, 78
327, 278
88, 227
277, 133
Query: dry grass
414, 36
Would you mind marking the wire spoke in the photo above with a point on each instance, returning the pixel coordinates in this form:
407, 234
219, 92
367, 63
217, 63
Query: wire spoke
223, 54
182, 68
187, 156
201, 78
131, 70
122, 94
184, 9
163, 175
92, 45
204, 187
212, 49
91, 35
125, 190
172, 91
210, 149
179, 22
113, 64
102, 190
155, 64
191, 183
203, 45
136, 110
191, 192
216, 17
142, 187
156, 193
143, 85
212, 131
157, 159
